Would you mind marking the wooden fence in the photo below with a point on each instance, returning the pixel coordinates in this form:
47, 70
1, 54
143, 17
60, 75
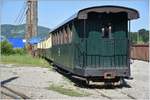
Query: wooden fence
140, 52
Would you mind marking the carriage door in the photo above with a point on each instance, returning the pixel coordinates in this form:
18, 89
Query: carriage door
107, 46
100, 44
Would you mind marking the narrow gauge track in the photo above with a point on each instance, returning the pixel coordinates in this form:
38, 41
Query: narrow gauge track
103, 94
126, 94
106, 95
12, 94
100, 92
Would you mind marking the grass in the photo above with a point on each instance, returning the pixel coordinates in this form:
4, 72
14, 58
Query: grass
23, 60
67, 91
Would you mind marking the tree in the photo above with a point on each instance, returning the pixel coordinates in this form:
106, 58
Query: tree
134, 36
6, 48
144, 34
142, 31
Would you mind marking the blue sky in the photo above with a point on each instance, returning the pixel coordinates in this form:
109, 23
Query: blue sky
53, 12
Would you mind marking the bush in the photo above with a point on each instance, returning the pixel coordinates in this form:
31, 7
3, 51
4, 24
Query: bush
6, 48
20, 51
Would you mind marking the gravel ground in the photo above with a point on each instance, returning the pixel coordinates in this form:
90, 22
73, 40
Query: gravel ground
33, 82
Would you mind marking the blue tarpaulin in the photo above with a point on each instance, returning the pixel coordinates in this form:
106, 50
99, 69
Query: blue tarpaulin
16, 42
34, 40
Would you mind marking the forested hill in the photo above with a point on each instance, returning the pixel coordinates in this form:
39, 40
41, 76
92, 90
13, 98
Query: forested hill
18, 31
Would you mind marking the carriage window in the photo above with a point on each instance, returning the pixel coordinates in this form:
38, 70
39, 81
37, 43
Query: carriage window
106, 32
110, 34
61, 36
53, 39
65, 35
56, 38
63, 32
69, 33
103, 31
70, 36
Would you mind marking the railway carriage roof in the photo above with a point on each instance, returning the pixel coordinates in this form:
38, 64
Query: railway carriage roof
82, 14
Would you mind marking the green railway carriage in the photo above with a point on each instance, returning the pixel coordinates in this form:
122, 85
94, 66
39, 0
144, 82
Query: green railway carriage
94, 43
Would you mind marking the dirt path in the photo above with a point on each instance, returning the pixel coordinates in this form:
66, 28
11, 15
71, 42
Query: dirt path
33, 82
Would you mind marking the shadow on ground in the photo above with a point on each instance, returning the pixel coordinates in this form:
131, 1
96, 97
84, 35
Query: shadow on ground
82, 83
8, 80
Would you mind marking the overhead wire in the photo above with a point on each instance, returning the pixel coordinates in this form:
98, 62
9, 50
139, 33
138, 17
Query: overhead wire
21, 15
19, 19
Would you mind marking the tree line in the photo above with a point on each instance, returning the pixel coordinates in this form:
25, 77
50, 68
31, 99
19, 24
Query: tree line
140, 37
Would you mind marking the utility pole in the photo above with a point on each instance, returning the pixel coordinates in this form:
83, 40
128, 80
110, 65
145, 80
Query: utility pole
31, 19
31, 23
